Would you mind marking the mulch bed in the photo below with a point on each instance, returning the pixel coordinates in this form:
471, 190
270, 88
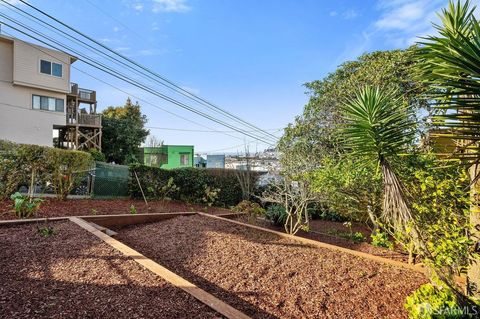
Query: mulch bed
267, 276
72, 274
319, 230
83, 207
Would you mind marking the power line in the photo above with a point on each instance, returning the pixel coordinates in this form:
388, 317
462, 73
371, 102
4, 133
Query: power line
172, 85
121, 76
199, 131
128, 93
104, 67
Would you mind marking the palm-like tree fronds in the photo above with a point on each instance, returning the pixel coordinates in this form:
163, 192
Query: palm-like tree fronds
450, 64
377, 126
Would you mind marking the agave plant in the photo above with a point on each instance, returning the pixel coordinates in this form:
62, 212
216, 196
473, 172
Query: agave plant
450, 64
378, 128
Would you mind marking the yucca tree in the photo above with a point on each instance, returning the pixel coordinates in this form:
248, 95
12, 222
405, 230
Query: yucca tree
378, 127
450, 64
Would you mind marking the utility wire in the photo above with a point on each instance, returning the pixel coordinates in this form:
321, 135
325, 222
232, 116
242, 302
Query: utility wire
128, 93
178, 88
199, 131
125, 78
121, 76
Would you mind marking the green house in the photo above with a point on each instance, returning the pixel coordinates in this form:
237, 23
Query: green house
167, 156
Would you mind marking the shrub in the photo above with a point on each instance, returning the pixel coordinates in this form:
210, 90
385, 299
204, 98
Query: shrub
66, 169
276, 214
210, 195
25, 207
190, 183
429, 301
380, 239
251, 209
32, 165
97, 155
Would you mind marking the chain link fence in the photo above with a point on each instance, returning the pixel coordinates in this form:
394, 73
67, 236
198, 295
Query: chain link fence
110, 181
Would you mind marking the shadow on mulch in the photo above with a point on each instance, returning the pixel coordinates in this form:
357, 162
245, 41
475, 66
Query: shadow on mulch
72, 274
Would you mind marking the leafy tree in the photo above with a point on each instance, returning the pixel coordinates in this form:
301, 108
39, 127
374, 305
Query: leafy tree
315, 133
348, 188
123, 132
450, 65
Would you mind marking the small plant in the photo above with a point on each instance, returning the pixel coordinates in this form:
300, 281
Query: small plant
93, 211
210, 195
380, 239
251, 209
24, 206
429, 301
356, 237
276, 214
133, 210
46, 231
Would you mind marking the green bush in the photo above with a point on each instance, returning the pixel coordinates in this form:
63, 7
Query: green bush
22, 164
429, 301
251, 209
191, 184
97, 155
276, 214
380, 239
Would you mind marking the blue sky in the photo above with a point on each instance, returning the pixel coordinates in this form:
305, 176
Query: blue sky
249, 57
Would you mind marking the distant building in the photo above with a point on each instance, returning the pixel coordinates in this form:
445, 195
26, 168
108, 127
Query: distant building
215, 161
199, 161
167, 156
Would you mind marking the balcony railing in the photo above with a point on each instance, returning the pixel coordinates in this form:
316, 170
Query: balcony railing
84, 119
83, 94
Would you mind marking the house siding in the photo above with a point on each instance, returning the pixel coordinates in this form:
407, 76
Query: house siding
173, 153
26, 67
18, 121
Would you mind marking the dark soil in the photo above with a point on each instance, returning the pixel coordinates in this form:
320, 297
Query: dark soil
72, 274
327, 232
83, 207
267, 276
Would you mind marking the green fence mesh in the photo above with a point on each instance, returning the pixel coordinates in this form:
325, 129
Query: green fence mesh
110, 180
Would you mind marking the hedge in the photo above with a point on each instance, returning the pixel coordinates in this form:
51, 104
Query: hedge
191, 183
59, 169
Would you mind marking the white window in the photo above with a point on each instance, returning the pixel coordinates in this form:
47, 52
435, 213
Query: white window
48, 103
51, 68
184, 159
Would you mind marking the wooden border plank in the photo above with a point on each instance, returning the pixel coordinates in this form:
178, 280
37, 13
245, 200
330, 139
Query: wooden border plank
177, 281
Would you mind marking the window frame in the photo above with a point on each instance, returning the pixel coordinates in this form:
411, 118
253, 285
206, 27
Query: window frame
51, 68
45, 103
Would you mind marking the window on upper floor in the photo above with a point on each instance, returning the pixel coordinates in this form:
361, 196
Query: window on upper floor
46, 103
51, 68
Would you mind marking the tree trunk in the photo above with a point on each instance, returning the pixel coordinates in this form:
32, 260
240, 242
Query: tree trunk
473, 275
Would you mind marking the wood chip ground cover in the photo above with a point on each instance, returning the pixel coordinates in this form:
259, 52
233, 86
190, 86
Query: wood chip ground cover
267, 276
52, 207
73, 274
